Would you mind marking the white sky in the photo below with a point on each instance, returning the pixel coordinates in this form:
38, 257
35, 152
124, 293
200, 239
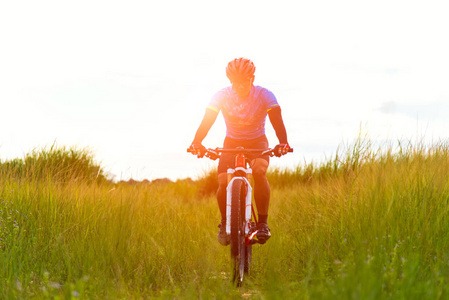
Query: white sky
130, 79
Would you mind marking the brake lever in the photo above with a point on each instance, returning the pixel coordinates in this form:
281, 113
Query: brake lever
269, 152
212, 154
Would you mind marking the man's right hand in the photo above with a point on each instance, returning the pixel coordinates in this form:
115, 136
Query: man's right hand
197, 149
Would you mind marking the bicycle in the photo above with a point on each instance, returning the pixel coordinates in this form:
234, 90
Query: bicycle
239, 208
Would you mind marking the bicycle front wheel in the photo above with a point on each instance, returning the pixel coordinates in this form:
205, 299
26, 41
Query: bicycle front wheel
239, 251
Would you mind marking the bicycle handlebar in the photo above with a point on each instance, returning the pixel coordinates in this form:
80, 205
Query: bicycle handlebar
216, 153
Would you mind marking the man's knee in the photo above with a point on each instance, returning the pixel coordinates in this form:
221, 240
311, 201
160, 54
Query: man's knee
259, 168
260, 172
222, 180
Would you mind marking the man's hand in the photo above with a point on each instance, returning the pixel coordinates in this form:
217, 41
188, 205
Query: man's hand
197, 149
281, 149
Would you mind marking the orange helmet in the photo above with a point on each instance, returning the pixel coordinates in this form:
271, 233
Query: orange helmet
240, 68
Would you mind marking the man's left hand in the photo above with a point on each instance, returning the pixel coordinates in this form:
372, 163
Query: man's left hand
281, 149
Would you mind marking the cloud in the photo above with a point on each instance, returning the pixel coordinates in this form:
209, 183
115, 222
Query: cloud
421, 110
388, 107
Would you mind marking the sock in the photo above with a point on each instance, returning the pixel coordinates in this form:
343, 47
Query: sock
263, 219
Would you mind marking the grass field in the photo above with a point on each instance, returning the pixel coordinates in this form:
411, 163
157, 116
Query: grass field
366, 224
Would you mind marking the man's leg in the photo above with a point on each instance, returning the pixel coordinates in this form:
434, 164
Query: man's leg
222, 237
221, 194
262, 197
261, 186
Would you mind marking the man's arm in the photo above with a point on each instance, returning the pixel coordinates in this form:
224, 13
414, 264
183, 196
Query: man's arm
208, 120
278, 124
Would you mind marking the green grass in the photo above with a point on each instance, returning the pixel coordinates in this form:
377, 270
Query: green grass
367, 224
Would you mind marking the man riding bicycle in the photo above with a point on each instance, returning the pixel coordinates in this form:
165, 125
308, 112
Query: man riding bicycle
244, 107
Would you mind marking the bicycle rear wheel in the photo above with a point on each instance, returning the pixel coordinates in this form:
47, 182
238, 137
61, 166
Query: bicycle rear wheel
239, 251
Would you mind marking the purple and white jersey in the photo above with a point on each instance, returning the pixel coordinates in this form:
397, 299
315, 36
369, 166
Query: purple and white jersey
244, 117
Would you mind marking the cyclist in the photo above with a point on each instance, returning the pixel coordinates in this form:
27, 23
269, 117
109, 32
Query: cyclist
244, 107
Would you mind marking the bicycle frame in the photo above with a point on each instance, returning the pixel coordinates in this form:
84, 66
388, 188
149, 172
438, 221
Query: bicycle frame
240, 172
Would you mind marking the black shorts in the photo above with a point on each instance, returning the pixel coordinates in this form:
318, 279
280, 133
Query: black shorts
227, 159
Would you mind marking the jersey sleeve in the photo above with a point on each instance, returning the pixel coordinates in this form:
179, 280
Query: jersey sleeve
270, 100
216, 102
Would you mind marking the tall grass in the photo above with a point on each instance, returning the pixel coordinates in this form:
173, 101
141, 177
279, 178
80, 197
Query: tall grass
56, 164
367, 224
371, 225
